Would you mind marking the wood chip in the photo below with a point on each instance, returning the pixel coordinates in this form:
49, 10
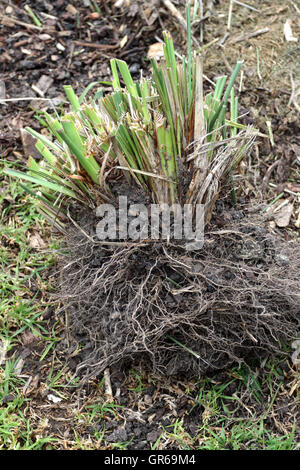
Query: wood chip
156, 51
297, 223
2, 90
44, 83
71, 9
54, 398
94, 16
123, 41
283, 216
288, 33
27, 338
295, 356
60, 47
45, 37
26, 51
19, 366
28, 142
119, 3
31, 384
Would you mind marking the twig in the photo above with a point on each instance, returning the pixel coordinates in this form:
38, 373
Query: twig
207, 15
250, 35
201, 24
24, 99
246, 6
107, 382
206, 46
229, 15
37, 90
224, 38
209, 8
179, 17
258, 64
267, 176
231, 7
227, 64
269, 126
71, 55
12, 19
175, 13
284, 203
288, 191
241, 81
296, 8
271, 203
95, 45
293, 94
46, 15
33, 16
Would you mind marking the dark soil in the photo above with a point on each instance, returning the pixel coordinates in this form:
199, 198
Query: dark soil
235, 298
74, 47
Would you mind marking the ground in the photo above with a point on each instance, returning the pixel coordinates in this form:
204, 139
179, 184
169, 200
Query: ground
255, 406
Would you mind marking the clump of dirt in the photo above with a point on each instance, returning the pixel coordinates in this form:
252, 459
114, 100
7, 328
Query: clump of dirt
178, 311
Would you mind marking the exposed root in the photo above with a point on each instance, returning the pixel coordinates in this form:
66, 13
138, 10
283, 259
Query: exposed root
236, 297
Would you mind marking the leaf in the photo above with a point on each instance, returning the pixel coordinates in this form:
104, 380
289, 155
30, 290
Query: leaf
60, 188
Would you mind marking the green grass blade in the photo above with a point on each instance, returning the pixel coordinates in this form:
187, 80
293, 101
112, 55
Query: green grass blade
45, 152
74, 142
116, 82
43, 139
72, 98
60, 188
86, 90
225, 97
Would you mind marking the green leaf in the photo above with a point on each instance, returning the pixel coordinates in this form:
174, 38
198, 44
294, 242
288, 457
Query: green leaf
43, 139
72, 98
60, 188
86, 90
73, 140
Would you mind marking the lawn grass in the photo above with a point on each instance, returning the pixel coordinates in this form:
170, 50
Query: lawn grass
239, 409
22, 305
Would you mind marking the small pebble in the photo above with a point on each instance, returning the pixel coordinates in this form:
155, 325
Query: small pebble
282, 260
134, 68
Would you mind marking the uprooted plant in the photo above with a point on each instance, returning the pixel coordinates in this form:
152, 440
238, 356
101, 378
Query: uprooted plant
160, 140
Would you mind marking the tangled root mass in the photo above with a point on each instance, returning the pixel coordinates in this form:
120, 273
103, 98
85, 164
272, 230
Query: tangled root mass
177, 311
